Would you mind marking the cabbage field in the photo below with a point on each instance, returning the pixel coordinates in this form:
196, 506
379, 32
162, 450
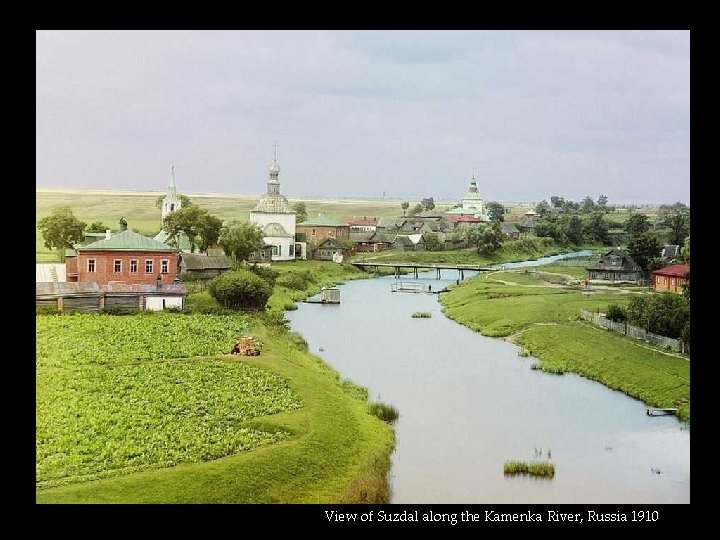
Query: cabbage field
111, 400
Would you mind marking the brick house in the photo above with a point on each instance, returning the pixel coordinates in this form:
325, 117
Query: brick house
126, 257
317, 229
671, 278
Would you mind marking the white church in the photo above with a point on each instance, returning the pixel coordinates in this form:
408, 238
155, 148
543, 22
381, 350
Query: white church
276, 218
472, 202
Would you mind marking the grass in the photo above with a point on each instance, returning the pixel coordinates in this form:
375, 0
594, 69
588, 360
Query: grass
421, 315
545, 322
617, 361
535, 468
577, 272
336, 452
386, 413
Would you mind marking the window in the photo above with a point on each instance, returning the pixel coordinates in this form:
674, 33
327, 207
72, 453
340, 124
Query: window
133, 266
91, 265
164, 266
665, 280
149, 266
280, 250
292, 250
275, 250
117, 266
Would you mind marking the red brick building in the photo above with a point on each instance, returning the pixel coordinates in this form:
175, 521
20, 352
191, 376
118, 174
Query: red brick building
126, 257
671, 278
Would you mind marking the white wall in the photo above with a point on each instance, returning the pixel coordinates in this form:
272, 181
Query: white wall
155, 303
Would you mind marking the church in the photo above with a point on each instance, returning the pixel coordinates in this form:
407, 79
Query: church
472, 203
276, 218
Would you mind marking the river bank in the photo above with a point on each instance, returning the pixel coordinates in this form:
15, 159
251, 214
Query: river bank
544, 320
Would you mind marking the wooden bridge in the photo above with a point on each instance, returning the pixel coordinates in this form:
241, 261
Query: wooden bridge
429, 266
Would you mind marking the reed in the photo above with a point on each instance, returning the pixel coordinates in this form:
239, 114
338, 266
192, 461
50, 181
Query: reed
534, 468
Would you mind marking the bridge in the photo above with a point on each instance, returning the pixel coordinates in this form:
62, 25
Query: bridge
425, 266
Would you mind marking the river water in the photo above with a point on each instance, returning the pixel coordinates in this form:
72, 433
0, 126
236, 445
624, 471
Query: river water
468, 403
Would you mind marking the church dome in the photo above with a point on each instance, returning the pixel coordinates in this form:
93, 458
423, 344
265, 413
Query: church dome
275, 168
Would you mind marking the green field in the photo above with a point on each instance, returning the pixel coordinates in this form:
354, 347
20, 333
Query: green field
544, 320
154, 429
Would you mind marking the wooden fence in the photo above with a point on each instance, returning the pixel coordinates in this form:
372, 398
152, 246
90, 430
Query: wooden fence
634, 331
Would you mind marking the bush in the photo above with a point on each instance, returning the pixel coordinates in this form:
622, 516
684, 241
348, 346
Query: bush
46, 310
616, 313
265, 272
384, 412
297, 280
240, 289
119, 310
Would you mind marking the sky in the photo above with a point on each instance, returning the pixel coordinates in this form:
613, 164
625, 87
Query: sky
400, 114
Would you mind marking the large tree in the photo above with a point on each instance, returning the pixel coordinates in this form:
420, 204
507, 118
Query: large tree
199, 226
240, 238
685, 251
596, 229
495, 210
574, 230
487, 239
637, 224
97, 226
542, 207
300, 211
679, 223
428, 203
643, 248
587, 205
61, 229
405, 205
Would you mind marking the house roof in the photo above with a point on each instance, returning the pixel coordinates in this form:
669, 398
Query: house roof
198, 261
182, 240
674, 270
391, 222
670, 251
408, 239
527, 223
321, 221
509, 228
358, 222
361, 236
66, 288
627, 264
330, 242
127, 241
464, 218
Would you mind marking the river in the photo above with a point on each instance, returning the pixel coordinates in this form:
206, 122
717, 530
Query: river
468, 403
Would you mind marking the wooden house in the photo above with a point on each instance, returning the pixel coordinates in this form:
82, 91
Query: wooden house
615, 266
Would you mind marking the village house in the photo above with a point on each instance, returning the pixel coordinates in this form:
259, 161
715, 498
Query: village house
367, 241
362, 224
670, 252
615, 266
317, 229
197, 264
510, 230
408, 242
672, 278
329, 249
126, 257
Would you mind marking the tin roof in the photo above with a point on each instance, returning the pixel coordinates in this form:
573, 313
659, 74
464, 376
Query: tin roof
127, 241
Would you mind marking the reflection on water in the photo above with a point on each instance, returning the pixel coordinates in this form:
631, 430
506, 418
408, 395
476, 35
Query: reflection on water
467, 403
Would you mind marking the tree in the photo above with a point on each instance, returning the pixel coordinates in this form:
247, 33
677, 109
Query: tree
587, 205
487, 239
643, 248
574, 230
637, 311
405, 205
596, 229
97, 226
416, 209
542, 207
428, 204
240, 289
495, 210
602, 202
616, 313
557, 202
637, 224
667, 314
679, 223
199, 226
548, 226
240, 238
685, 251
61, 229
300, 212
432, 242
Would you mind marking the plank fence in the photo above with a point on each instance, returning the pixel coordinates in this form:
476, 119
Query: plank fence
599, 319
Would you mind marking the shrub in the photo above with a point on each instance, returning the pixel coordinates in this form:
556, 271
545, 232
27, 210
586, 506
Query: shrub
240, 289
267, 273
616, 313
421, 315
119, 310
298, 280
384, 412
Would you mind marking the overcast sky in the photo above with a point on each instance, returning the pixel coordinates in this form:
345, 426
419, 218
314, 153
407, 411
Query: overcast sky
362, 113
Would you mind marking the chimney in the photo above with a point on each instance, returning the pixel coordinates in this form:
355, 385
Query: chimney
123, 224
108, 233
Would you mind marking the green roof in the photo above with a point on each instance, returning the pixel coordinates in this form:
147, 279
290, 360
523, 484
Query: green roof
127, 241
182, 240
322, 221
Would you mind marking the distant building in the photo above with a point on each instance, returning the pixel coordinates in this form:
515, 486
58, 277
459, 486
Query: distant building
405, 242
670, 251
367, 241
472, 202
362, 224
276, 218
125, 257
328, 250
671, 278
317, 229
509, 230
172, 201
615, 266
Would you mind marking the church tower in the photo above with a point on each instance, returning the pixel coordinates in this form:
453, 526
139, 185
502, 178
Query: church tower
172, 201
275, 217
472, 200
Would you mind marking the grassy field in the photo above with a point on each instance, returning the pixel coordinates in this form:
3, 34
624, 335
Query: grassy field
544, 320
177, 412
